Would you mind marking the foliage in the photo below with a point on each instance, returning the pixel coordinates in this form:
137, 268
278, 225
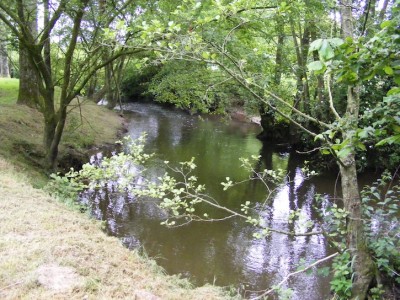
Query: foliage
341, 282
381, 224
355, 62
122, 169
380, 132
193, 86
360, 60
386, 125
87, 41
66, 189
136, 82
380, 211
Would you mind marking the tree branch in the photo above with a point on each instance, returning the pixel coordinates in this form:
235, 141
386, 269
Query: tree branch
293, 274
331, 106
256, 8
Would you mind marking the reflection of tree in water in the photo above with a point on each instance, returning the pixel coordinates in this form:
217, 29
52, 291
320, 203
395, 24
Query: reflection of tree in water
277, 255
109, 205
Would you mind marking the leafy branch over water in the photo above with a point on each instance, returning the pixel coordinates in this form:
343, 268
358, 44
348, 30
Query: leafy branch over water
183, 198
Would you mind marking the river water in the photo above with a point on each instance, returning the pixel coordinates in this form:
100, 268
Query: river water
222, 253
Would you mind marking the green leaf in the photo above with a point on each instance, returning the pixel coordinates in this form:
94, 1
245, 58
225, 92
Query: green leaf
326, 51
319, 137
388, 70
390, 140
336, 42
361, 146
316, 45
369, 76
394, 91
325, 151
344, 152
205, 55
385, 24
363, 133
315, 65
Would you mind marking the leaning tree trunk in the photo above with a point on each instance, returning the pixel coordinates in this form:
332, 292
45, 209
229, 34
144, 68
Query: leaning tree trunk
362, 263
52, 151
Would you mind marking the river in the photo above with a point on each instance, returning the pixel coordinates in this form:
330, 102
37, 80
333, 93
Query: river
221, 253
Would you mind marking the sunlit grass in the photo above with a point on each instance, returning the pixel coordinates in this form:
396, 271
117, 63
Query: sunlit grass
8, 90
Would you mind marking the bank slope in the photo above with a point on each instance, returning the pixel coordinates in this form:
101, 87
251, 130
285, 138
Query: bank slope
50, 252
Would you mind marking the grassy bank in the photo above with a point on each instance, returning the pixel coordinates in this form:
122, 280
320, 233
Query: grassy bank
21, 131
50, 252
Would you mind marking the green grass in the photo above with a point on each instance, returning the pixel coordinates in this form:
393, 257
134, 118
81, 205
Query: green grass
8, 90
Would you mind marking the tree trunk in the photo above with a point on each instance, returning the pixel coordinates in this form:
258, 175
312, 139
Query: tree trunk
57, 131
302, 98
50, 124
363, 266
4, 68
362, 263
28, 93
383, 11
108, 84
46, 48
91, 89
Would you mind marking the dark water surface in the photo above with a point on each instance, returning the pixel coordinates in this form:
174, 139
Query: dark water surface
224, 253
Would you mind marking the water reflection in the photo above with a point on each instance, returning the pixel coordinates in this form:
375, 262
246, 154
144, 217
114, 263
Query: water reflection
224, 253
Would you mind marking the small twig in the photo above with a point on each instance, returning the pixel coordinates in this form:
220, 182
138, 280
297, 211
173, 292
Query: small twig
309, 151
230, 32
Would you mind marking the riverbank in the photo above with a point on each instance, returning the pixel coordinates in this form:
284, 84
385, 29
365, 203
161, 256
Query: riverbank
21, 132
50, 252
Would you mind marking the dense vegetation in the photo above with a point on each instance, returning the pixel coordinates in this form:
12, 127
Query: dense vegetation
329, 70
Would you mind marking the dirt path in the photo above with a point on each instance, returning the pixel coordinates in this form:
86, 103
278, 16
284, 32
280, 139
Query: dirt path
50, 252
